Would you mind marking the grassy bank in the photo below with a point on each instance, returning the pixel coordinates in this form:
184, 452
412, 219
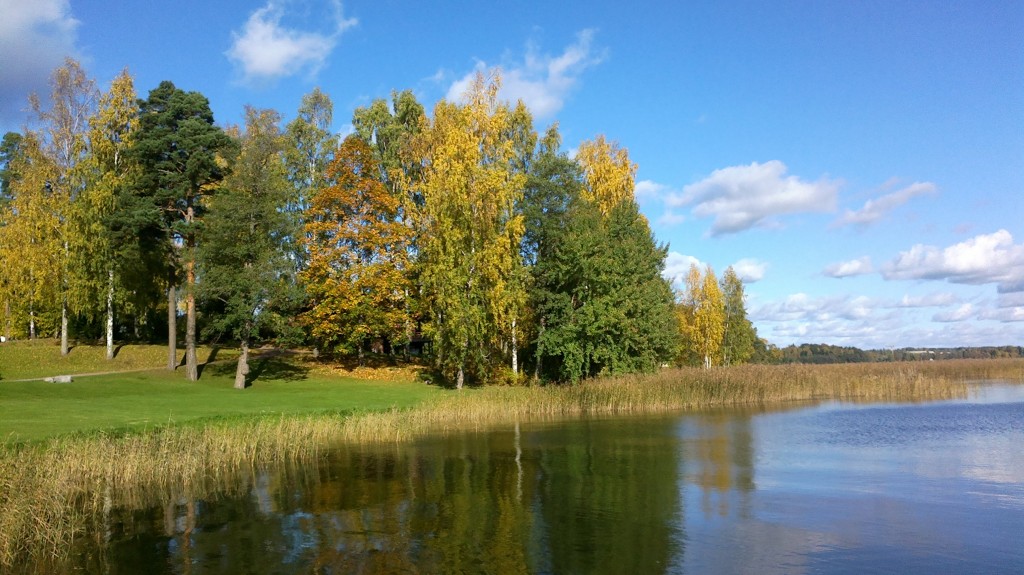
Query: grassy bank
52, 491
135, 401
41, 358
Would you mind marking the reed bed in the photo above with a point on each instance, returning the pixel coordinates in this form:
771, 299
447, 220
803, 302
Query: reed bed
52, 493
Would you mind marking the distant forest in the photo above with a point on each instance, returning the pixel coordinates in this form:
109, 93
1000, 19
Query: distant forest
824, 353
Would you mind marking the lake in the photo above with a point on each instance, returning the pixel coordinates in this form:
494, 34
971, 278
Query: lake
830, 488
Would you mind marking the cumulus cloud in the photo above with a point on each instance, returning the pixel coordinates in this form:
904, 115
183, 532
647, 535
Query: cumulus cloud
930, 300
962, 313
749, 270
1015, 299
648, 189
541, 81
677, 265
1004, 314
741, 197
267, 50
988, 258
1009, 308
671, 218
838, 332
871, 323
877, 208
857, 267
802, 308
963, 333
35, 37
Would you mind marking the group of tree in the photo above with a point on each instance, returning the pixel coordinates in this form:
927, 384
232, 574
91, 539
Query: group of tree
713, 320
464, 229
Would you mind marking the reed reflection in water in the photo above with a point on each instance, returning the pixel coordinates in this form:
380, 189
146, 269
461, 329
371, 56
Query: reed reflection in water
909, 488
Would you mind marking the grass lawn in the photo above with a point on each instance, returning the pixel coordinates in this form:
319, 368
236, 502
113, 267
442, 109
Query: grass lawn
35, 410
41, 358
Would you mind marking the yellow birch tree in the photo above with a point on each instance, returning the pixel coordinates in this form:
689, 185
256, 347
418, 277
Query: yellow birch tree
65, 123
701, 315
471, 231
111, 134
30, 242
608, 173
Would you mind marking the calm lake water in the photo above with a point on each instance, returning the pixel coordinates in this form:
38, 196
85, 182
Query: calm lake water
833, 488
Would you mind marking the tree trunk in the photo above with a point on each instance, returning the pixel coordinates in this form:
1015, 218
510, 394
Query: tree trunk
191, 362
536, 366
64, 349
408, 324
460, 378
172, 329
110, 314
31, 305
64, 327
7, 320
515, 350
242, 369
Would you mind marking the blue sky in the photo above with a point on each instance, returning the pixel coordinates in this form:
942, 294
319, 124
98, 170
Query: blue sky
861, 164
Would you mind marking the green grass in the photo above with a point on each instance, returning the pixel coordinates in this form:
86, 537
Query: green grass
36, 410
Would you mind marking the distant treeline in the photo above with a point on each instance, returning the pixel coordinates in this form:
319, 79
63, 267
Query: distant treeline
824, 353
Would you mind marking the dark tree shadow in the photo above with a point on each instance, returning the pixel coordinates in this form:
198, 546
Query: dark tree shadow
209, 359
117, 350
434, 376
276, 366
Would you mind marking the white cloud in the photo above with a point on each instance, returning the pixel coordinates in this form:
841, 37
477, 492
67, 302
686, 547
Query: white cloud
35, 37
838, 320
837, 332
651, 193
983, 259
876, 209
930, 300
671, 218
267, 50
749, 270
857, 267
541, 81
648, 189
964, 333
874, 324
1015, 299
962, 313
741, 197
677, 265
802, 308
1004, 314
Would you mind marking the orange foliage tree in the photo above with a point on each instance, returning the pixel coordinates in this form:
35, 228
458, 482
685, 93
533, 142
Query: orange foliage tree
357, 275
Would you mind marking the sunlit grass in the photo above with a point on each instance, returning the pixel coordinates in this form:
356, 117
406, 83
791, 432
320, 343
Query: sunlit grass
41, 358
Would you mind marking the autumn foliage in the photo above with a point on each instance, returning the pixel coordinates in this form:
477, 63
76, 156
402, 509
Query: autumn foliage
459, 236
358, 256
